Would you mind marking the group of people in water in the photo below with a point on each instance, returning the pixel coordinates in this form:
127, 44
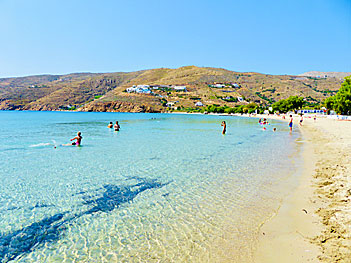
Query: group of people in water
265, 122
78, 139
116, 126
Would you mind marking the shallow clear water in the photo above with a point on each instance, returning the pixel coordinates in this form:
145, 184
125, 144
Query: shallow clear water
166, 188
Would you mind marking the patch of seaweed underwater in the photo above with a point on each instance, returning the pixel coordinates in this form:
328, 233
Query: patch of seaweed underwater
20, 242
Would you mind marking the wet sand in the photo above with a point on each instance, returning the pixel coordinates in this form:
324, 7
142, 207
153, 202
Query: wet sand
314, 222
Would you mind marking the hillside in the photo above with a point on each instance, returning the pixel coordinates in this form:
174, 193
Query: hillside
106, 91
320, 74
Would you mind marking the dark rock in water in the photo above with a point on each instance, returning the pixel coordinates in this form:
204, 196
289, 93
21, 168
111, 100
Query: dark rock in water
47, 230
24, 240
114, 195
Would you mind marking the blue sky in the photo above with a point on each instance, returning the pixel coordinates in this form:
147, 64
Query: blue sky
267, 36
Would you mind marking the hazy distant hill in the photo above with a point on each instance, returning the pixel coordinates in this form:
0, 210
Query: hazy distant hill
106, 91
319, 74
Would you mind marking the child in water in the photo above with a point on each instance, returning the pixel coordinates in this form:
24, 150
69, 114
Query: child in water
110, 125
224, 127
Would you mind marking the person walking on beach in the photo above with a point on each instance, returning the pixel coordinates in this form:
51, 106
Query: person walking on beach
224, 127
291, 122
116, 127
110, 125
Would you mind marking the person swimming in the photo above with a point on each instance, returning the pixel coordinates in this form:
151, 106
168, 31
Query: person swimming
110, 125
116, 126
224, 127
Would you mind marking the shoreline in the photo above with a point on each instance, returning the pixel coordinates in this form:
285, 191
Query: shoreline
313, 222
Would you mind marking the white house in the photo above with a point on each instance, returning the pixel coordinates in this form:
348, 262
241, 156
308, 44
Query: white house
180, 88
236, 85
199, 104
145, 89
219, 86
240, 99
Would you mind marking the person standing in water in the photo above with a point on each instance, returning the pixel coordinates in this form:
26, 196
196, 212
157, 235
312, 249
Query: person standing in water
224, 127
117, 127
291, 123
301, 120
110, 125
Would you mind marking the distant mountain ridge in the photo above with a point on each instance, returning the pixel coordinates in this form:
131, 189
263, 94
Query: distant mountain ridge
321, 74
106, 91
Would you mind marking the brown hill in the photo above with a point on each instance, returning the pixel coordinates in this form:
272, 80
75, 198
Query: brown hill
106, 91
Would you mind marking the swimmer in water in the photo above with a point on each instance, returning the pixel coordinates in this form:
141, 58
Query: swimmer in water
117, 127
274, 129
224, 127
78, 141
110, 125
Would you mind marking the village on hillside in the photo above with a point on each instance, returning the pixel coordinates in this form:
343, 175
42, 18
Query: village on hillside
155, 90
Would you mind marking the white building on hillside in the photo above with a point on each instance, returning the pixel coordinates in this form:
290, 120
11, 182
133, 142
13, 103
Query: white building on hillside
180, 88
219, 85
145, 89
199, 104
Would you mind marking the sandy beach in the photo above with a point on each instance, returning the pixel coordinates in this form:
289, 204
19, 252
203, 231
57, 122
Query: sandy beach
313, 223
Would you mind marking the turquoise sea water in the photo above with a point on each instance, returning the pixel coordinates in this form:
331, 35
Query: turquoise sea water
165, 188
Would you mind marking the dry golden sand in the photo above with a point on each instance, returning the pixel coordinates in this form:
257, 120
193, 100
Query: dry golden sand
314, 222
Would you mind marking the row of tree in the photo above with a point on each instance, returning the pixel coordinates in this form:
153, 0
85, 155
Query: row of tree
341, 102
290, 104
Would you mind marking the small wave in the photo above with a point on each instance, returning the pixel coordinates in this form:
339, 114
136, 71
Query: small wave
40, 144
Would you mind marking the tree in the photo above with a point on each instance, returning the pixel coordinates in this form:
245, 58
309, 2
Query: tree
329, 103
289, 104
341, 102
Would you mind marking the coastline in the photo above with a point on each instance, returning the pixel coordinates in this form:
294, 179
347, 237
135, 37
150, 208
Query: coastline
313, 222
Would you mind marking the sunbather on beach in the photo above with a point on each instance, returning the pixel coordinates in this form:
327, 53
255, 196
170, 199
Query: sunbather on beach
224, 127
